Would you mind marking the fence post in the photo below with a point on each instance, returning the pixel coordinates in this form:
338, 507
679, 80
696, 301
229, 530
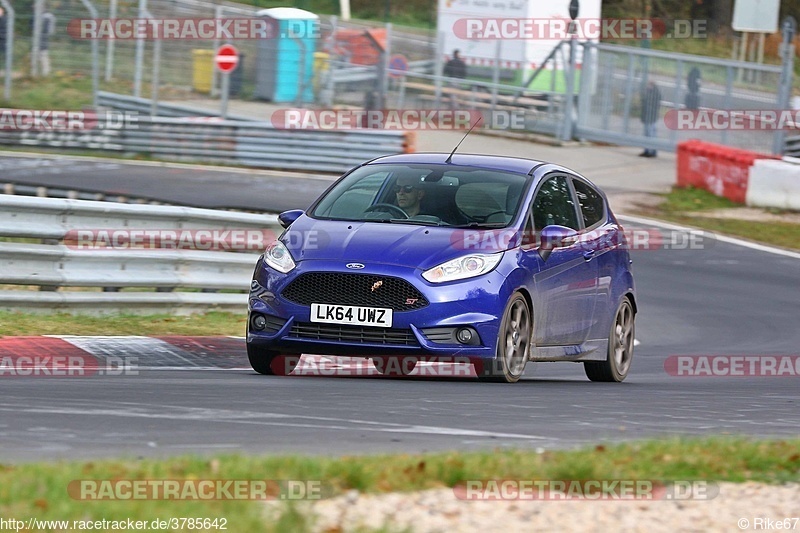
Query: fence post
112, 14
673, 135
496, 73
156, 77
438, 68
789, 27
569, 121
95, 55
326, 98
38, 11
137, 72
9, 46
383, 82
214, 74
586, 86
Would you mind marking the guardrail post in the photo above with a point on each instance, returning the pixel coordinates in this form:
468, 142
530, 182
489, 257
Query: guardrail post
9, 46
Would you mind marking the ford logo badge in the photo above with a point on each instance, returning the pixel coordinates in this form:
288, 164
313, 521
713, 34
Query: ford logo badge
354, 266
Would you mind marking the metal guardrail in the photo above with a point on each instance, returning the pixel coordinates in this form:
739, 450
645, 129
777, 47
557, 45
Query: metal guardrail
143, 107
253, 144
348, 73
792, 146
63, 264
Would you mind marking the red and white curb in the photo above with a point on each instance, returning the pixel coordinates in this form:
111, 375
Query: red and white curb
177, 353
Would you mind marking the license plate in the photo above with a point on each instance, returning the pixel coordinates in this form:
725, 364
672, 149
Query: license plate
349, 314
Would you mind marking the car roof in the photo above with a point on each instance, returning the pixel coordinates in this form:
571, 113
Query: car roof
518, 165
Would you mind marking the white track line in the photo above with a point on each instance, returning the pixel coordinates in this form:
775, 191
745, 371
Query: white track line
717, 236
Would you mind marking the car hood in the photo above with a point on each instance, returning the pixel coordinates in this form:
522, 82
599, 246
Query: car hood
386, 243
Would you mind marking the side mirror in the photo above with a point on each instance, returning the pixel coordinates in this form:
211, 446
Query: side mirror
287, 218
553, 237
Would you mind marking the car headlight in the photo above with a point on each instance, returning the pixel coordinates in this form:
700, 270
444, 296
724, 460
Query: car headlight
468, 266
278, 257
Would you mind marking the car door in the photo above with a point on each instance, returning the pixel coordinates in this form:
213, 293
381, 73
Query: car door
601, 236
566, 283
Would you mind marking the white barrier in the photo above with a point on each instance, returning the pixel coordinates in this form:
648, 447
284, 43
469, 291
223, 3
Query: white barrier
774, 184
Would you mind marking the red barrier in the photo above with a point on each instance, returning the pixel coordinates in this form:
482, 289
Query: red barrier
721, 170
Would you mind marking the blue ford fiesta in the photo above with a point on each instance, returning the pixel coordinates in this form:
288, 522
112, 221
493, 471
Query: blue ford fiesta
495, 261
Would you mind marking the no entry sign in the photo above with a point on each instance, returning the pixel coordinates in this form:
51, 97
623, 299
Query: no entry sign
227, 58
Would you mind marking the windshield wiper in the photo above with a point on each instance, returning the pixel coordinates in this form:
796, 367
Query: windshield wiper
484, 225
417, 222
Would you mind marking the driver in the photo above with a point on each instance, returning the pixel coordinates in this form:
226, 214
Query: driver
409, 192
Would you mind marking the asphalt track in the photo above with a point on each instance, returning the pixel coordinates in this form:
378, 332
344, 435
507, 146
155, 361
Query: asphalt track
198, 396
195, 186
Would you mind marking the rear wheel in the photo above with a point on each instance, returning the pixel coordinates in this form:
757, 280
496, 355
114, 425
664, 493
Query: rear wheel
513, 342
271, 363
620, 348
394, 366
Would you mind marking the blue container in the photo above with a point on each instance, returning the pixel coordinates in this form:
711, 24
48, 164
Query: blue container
285, 63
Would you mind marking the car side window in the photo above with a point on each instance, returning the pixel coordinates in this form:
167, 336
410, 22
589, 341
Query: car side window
592, 206
554, 205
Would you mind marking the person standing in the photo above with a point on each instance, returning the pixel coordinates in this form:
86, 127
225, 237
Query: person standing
651, 105
455, 67
692, 100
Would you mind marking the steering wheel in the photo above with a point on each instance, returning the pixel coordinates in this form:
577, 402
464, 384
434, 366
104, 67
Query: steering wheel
387, 207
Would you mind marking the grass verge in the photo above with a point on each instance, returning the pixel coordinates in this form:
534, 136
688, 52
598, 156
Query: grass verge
41, 489
684, 206
208, 324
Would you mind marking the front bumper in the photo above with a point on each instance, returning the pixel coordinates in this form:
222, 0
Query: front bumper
425, 333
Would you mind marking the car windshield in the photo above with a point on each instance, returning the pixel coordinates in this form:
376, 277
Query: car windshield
437, 195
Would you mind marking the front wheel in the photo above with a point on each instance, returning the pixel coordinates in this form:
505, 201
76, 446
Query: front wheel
513, 342
620, 348
271, 363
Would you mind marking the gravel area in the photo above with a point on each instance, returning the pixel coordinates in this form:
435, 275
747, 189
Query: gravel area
439, 511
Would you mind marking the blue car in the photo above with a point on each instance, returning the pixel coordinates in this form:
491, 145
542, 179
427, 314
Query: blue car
495, 261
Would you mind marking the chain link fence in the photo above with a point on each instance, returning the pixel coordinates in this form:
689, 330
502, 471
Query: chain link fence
612, 105
377, 66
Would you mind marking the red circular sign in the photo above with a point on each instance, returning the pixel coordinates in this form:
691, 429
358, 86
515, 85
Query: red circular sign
227, 58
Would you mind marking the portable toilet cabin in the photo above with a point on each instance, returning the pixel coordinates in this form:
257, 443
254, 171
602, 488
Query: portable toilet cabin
285, 62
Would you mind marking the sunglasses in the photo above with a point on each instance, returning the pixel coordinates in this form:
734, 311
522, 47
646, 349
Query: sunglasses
404, 188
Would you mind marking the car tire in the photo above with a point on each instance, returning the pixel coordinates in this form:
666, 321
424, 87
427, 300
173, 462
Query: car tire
620, 347
394, 366
271, 363
513, 343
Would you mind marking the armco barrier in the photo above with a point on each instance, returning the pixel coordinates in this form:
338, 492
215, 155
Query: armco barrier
143, 107
254, 144
721, 170
159, 275
774, 184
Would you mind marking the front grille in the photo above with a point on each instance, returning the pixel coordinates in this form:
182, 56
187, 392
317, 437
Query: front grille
356, 334
354, 289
